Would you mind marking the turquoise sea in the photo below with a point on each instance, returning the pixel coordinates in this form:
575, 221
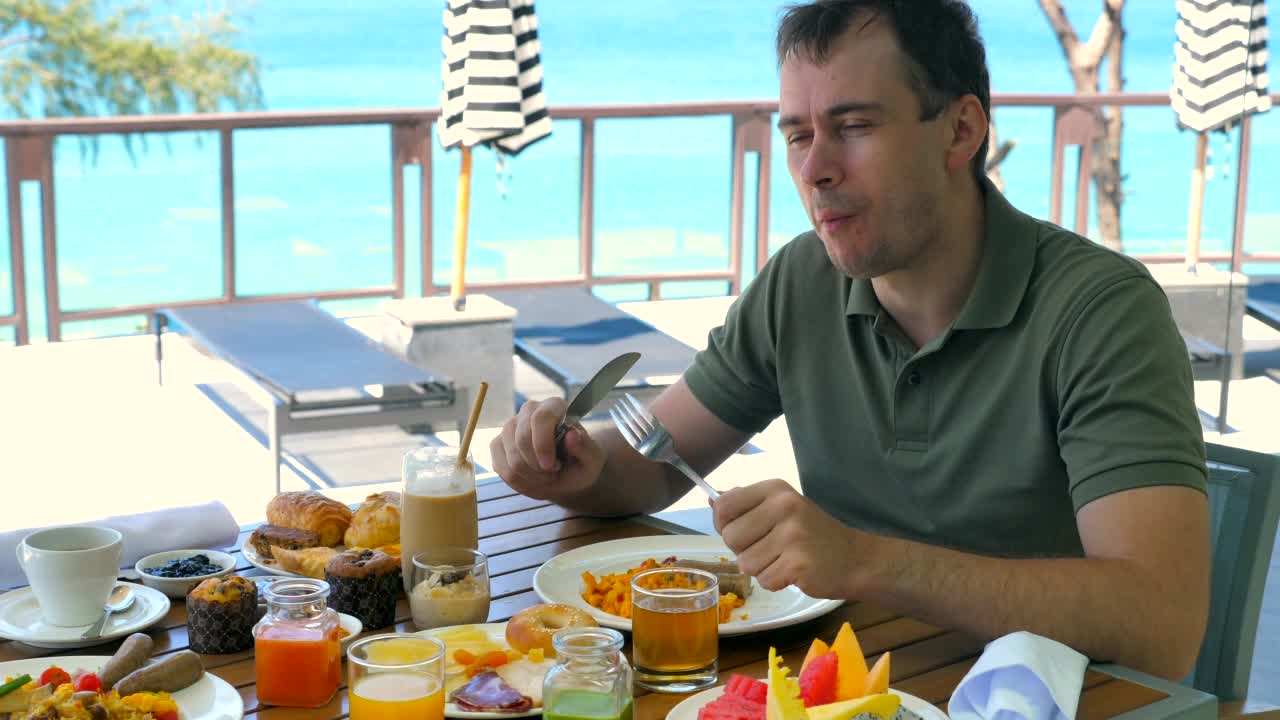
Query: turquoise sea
314, 205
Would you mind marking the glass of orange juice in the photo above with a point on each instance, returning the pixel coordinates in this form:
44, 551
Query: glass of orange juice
675, 629
396, 676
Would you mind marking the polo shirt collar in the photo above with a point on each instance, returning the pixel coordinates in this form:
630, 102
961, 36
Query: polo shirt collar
1009, 245
862, 299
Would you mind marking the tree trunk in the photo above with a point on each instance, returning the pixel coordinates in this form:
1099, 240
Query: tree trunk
1107, 178
1084, 59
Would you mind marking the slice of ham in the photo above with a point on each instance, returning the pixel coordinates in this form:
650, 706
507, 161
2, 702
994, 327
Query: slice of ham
487, 692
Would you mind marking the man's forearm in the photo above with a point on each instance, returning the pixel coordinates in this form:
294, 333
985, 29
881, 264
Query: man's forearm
1110, 610
629, 482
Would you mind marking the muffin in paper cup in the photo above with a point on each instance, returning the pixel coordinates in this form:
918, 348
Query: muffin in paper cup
365, 584
221, 613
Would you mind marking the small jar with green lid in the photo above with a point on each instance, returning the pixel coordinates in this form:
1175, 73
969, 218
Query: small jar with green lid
591, 679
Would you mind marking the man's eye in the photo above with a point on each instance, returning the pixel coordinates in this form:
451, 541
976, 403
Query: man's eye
797, 139
856, 126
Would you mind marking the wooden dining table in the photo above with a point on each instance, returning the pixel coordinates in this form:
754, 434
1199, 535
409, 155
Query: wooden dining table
519, 534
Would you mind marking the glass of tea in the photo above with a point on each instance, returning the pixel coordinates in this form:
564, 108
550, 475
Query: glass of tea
396, 676
675, 629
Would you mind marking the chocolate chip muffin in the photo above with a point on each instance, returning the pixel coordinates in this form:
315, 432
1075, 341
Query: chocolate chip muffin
221, 613
365, 583
288, 538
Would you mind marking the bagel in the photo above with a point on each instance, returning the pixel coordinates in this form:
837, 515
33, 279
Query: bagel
534, 626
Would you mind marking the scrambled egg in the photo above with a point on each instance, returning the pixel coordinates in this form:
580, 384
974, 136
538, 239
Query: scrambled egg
61, 706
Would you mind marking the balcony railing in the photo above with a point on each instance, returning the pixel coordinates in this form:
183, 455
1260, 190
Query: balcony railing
29, 158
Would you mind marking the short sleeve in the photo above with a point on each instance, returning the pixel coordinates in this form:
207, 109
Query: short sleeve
1127, 415
736, 375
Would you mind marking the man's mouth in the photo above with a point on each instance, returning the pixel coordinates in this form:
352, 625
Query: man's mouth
831, 220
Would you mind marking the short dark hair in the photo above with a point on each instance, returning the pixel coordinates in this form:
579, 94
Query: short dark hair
945, 57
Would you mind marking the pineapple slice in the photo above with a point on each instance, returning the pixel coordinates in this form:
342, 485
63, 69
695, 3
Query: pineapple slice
883, 706
783, 701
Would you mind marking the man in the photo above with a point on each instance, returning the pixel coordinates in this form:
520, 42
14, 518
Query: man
992, 417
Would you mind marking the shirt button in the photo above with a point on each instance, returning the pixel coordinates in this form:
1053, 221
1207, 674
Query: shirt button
914, 378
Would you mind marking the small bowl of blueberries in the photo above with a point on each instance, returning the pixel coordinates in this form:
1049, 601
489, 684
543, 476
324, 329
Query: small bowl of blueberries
175, 572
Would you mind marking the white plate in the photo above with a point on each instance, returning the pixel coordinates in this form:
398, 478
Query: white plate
256, 560
210, 698
688, 709
20, 620
560, 580
498, 635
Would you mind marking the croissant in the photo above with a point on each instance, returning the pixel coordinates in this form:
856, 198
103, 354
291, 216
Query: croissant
310, 562
376, 522
312, 511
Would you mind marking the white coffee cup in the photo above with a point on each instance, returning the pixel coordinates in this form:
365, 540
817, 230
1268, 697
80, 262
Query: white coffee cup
71, 571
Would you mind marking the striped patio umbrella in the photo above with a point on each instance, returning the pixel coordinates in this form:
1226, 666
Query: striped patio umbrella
492, 94
1219, 78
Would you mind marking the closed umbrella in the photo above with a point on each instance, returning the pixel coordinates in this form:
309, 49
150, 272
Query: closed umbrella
1219, 78
492, 95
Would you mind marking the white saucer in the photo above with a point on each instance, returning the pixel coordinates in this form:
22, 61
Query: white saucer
354, 628
20, 620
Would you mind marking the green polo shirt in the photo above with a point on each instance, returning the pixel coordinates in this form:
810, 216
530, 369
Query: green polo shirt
1063, 379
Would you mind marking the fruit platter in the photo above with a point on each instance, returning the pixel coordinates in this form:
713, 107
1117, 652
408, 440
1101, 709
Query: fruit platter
834, 683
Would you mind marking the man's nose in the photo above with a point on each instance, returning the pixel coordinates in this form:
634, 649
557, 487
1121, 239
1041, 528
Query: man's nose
821, 167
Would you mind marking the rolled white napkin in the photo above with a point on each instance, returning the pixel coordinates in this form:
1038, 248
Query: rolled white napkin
207, 527
1021, 676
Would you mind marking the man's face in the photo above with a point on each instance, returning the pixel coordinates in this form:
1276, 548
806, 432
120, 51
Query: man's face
871, 175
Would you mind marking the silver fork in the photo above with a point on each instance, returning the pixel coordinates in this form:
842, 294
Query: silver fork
643, 431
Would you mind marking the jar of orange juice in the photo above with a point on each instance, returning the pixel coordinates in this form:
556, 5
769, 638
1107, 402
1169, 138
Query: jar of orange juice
298, 659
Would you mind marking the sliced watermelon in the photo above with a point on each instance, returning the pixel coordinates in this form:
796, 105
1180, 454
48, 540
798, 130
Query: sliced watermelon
732, 707
818, 680
734, 701
735, 681
745, 687
715, 712
711, 712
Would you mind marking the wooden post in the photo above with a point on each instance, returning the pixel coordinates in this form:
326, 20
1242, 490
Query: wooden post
1197, 201
460, 231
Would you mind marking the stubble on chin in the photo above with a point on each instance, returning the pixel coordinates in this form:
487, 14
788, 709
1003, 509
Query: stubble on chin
912, 230
857, 266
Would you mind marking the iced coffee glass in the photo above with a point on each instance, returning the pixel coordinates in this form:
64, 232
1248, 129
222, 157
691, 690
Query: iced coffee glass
438, 505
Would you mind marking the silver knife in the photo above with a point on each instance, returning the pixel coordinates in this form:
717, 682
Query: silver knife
595, 390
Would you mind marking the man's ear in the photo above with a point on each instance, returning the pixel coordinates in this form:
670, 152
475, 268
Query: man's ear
968, 128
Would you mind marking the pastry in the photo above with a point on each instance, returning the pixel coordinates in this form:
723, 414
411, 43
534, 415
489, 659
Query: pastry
289, 538
309, 562
376, 522
310, 510
365, 583
221, 613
